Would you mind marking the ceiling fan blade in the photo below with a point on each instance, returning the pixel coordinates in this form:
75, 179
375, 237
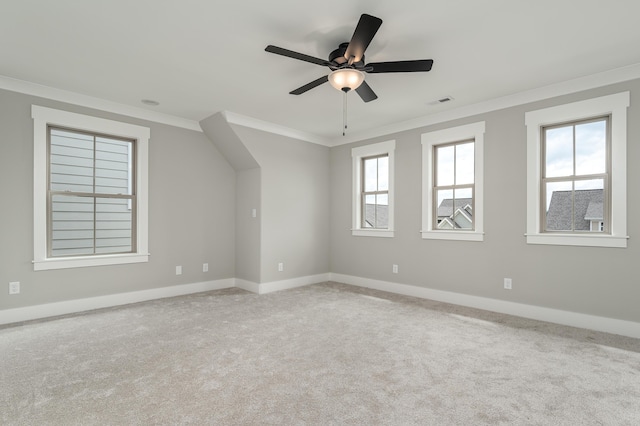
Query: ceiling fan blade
401, 66
295, 55
365, 30
366, 93
309, 86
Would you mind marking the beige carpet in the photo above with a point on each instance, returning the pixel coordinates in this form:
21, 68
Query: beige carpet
317, 355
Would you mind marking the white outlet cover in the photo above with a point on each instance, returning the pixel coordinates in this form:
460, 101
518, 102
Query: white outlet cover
178, 270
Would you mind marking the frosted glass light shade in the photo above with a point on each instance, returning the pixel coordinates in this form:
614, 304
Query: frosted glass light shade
346, 79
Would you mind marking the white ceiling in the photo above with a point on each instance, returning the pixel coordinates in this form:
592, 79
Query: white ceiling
199, 57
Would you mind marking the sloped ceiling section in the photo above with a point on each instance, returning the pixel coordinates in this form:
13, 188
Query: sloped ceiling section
218, 130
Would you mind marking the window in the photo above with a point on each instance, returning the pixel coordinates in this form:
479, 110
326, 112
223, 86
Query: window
373, 189
375, 192
91, 195
452, 182
90, 190
575, 177
576, 173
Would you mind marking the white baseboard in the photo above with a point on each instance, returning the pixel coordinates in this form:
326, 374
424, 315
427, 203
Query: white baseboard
573, 319
270, 287
73, 306
248, 285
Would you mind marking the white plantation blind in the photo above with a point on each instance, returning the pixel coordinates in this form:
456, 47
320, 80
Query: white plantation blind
91, 194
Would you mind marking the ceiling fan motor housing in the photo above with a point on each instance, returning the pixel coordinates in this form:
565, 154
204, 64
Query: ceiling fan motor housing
337, 56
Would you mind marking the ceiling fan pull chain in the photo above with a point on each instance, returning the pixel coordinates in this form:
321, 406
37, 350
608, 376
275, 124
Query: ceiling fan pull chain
344, 114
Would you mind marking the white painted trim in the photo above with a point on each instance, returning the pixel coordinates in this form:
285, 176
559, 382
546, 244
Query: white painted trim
357, 154
28, 313
42, 117
87, 261
573, 319
580, 84
254, 123
272, 286
616, 105
380, 233
453, 235
473, 131
33, 89
247, 285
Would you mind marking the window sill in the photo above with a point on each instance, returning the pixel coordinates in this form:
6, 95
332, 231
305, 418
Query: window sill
81, 262
578, 240
384, 233
453, 235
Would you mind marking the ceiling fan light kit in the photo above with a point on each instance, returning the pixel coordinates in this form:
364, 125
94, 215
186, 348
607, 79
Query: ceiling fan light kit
348, 66
346, 79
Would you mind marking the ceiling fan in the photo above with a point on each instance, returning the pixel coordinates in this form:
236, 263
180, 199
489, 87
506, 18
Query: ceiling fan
347, 62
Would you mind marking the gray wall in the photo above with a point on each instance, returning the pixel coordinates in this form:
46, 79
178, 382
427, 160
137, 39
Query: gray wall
591, 280
302, 193
191, 213
248, 184
295, 204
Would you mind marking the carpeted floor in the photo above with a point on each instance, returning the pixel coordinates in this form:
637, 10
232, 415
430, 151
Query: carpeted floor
317, 355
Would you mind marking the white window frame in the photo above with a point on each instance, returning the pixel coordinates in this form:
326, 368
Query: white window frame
614, 105
357, 154
42, 118
473, 131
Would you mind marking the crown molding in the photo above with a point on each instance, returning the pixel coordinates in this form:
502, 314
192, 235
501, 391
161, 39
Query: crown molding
592, 81
254, 123
42, 91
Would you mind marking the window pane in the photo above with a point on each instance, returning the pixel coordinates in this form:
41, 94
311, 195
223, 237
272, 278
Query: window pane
464, 163
588, 205
369, 211
370, 174
559, 206
113, 166
382, 211
463, 209
383, 173
113, 226
71, 161
591, 148
444, 165
444, 201
559, 152
71, 225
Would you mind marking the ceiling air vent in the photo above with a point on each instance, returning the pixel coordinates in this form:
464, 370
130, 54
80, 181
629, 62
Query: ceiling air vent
441, 100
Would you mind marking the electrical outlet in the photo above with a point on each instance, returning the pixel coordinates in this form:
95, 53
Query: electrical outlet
507, 283
205, 267
280, 267
14, 287
178, 270
254, 213
395, 269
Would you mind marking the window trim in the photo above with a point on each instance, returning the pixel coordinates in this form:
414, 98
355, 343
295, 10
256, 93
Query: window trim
44, 117
430, 140
357, 154
616, 107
